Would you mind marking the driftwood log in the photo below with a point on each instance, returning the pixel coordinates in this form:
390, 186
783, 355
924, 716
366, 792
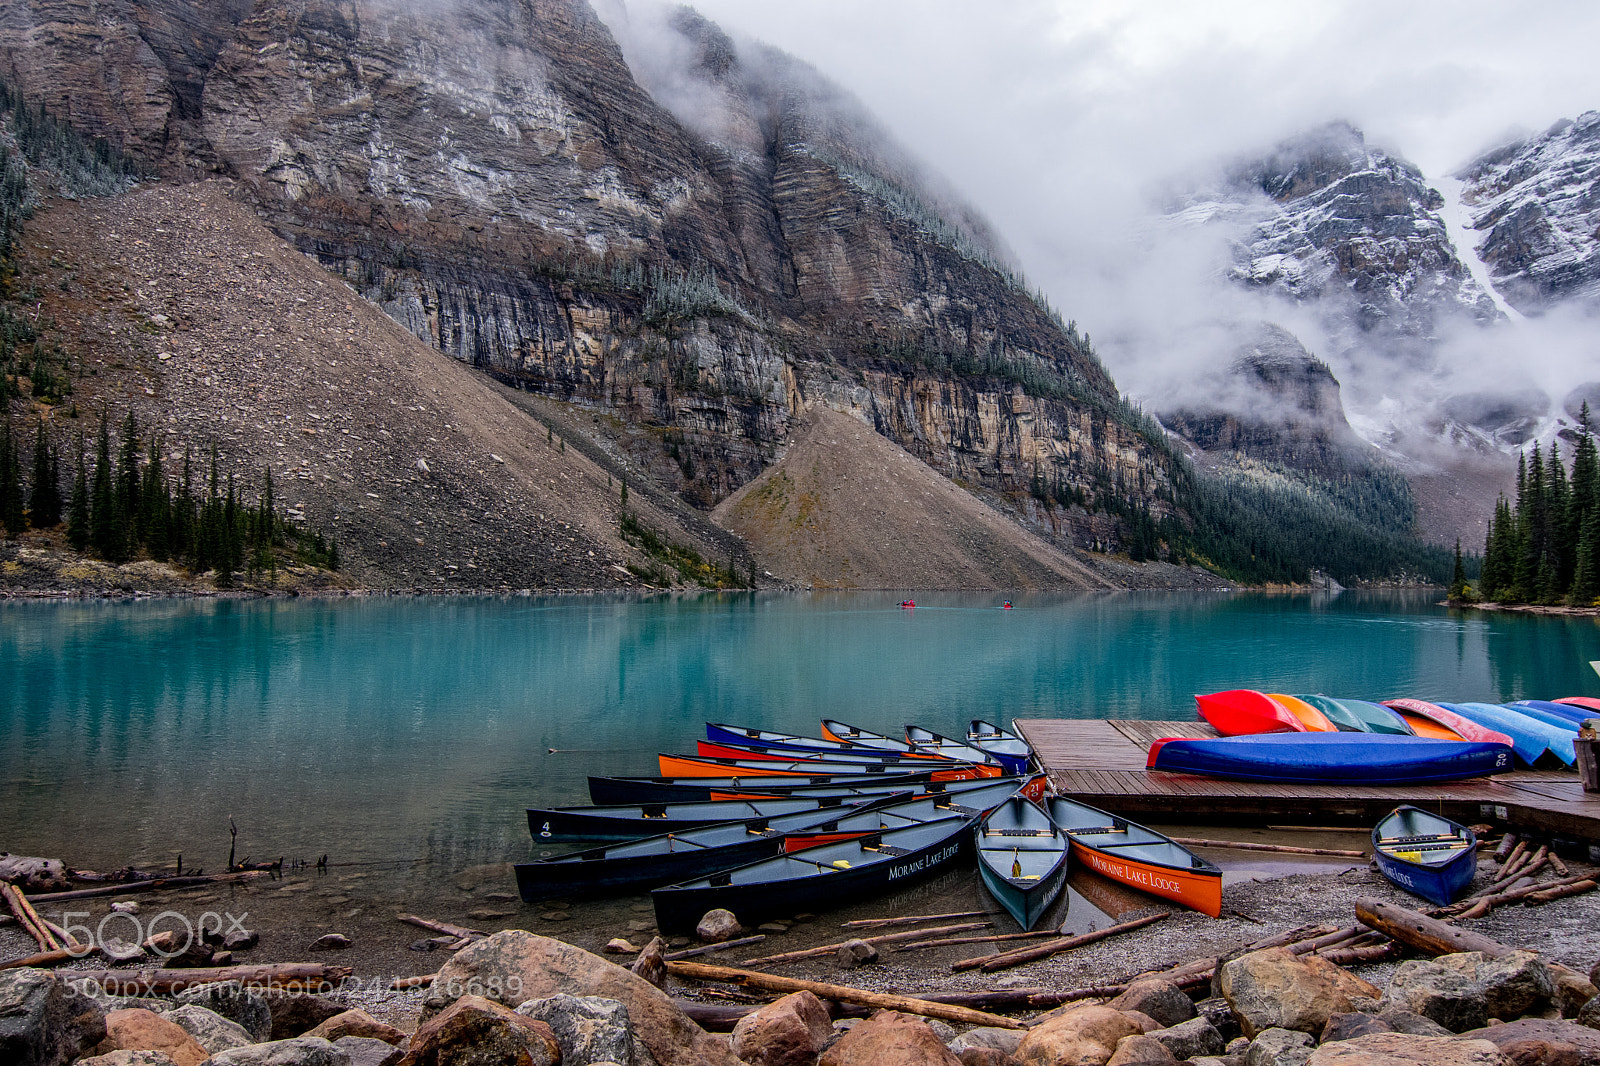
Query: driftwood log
1240, 845
706, 949
1503, 849
918, 945
991, 963
886, 938
1421, 932
28, 918
1548, 894
773, 983
130, 887
446, 928
911, 919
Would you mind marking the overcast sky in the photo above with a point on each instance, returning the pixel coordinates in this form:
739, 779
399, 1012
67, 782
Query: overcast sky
1055, 116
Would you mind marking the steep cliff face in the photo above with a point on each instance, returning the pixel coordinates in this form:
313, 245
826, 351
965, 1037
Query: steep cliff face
1536, 206
707, 254
1278, 404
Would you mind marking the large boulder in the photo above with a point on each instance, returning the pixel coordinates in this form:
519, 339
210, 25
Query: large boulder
984, 1056
1083, 1036
238, 1004
1543, 1042
988, 1036
1162, 1000
514, 966
1513, 984
1191, 1038
1440, 993
1349, 1026
33, 874
297, 1051
137, 1029
1405, 1021
367, 1051
1141, 1050
127, 1058
587, 1028
1276, 989
357, 1022
718, 925
292, 1014
43, 1020
1404, 1049
1573, 989
789, 1032
890, 1039
210, 1030
1589, 1014
1279, 1047
473, 1031
1342, 979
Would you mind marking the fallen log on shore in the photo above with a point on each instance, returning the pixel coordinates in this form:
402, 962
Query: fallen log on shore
886, 938
1421, 932
918, 945
991, 963
130, 887
689, 953
773, 983
910, 919
446, 928
287, 976
1548, 894
1241, 845
31, 923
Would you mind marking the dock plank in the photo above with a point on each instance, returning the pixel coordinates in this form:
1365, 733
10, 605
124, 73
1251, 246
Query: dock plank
1102, 762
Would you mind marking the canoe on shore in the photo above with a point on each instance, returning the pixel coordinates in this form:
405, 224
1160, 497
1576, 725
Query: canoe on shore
1137, 856
817, 878
1243, 711
1022, 859
1329, 758
1425, 854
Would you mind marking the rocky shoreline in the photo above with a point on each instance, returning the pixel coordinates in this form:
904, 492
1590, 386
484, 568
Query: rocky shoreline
1262, 1008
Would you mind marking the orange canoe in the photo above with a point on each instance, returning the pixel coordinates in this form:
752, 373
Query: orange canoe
1139, 857
1314, 720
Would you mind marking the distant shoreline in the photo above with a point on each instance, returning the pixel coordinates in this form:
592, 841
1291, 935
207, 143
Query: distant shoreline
1525, 608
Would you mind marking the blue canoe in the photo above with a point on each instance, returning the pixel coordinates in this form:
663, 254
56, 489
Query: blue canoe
1542, 711
1425, 854
1575, 715
1330, 758
1530, 737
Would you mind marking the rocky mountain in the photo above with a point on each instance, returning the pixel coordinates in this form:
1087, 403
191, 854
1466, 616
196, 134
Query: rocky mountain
1535, 206
702, 252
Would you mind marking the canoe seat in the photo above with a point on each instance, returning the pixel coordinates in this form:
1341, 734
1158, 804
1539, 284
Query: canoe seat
1426, 838
970, 812
888, 849
1091, 830
1019, 832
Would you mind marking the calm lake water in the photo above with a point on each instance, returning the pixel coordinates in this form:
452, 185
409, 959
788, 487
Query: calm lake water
419, 729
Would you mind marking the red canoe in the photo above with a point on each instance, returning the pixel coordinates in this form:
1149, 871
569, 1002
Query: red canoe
1457, 723
1240, 711
1588, 703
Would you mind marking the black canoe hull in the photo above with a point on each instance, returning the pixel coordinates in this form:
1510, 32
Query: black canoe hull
612, 877
679, 910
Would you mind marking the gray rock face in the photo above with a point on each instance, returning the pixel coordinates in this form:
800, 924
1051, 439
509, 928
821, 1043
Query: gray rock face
235, 1003
1349, 1026
368, 1051
299, 1051
1412, 1024
1447, 996
1279, 1047
1005, 1040
210, 1030
1188, 1039
44, 1021
1533, 202
1514, 984
109, 1002
1215, 1010
1590, 1014
129, 1058
588, 1028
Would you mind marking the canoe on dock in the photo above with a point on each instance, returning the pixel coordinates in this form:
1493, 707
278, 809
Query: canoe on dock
1329, 758
1137, 856
1425, 854
816, 879
1022, 858
1536, 743
1242, 711
1459, 724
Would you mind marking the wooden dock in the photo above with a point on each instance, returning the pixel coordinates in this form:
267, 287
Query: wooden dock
1102, 763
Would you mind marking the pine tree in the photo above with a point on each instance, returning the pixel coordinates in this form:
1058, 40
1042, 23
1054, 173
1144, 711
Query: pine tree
12, 514
1561, 548
1458, 577
105, 525
44, 506
128, 504
78, 533
155, 500
1586, 571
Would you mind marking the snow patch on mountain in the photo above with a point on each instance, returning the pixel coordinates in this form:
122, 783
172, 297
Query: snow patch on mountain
1457, 217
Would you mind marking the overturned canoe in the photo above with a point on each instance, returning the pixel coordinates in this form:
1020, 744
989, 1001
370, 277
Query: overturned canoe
1243, 711
1376, 718
1425, 854
1022, 859
1588, 702
1330, 758
1536, 743
1574, 713
1336, 713
1314, 720
1459, 724
1137, 856
818, 878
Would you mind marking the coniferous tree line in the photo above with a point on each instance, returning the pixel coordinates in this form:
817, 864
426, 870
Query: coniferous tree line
125, 504
1544, 548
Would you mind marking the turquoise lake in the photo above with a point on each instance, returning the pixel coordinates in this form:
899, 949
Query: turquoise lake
419, 729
